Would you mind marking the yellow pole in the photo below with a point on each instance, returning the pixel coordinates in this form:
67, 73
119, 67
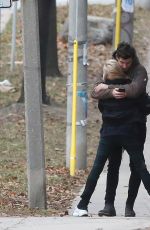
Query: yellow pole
74, 110
118, 23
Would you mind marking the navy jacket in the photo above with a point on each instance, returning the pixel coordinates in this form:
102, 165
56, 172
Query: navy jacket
120, 116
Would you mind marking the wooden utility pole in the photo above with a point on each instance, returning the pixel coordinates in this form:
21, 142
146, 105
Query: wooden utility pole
33, 102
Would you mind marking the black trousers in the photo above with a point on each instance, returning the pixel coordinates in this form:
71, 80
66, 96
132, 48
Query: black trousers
113, 172
113, 179
107, 148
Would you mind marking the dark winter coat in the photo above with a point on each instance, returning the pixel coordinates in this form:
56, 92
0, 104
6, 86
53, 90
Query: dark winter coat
121, 116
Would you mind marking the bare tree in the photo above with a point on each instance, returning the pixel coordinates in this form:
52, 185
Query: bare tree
52, 58
48, 45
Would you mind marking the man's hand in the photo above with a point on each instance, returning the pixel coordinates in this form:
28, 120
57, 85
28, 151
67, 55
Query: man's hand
118, 95
100, 87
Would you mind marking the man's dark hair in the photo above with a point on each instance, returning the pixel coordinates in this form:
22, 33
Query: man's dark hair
125, 51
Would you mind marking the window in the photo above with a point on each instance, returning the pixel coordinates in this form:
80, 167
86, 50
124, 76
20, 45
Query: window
5, 3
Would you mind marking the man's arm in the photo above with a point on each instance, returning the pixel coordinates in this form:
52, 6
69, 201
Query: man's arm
101, 91
138, 84
132, 90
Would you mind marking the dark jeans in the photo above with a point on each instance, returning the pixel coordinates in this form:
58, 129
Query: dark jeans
113, 178
107, 148
113, 173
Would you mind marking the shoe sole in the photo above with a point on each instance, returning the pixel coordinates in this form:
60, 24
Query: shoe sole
106, 214
80, 216
129, 216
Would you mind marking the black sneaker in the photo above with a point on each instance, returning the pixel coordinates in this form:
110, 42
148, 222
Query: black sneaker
109, 210
129, 212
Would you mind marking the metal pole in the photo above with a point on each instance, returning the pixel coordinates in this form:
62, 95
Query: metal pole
78, 31
118, 23
74, 110
13, 43
33, 104
0, 25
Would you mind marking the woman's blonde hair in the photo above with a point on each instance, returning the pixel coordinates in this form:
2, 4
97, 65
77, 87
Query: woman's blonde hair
112, 70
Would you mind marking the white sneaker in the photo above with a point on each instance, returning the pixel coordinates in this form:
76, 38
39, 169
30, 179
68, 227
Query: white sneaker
80, 212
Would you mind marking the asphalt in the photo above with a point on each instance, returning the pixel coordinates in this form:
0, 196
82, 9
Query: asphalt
93, 222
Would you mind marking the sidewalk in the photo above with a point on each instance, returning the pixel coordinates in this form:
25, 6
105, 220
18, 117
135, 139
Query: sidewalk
67, 223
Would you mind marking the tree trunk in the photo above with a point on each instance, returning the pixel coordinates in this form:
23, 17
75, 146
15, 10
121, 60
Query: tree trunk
21, 98
44, 10
48, 46
52, 58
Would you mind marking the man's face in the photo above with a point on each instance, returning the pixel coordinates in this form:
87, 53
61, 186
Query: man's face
125, 64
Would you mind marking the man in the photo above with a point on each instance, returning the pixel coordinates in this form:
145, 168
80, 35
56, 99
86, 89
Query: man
127, 59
